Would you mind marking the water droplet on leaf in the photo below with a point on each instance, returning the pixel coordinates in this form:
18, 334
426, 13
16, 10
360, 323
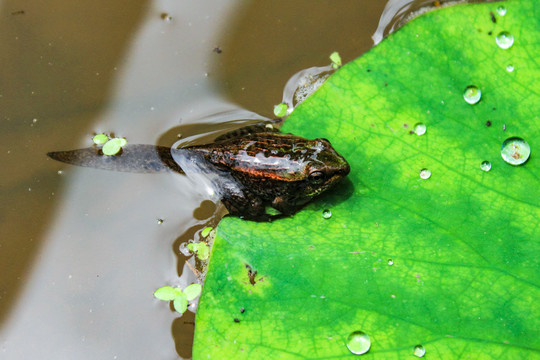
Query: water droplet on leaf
509, 68
425, 174
485, 165
419, 351
420, 129
515, 151
327, 214
501, 10
504, 40
390, 262
472, 94
358, 342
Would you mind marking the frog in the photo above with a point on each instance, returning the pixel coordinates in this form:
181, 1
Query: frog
252, 170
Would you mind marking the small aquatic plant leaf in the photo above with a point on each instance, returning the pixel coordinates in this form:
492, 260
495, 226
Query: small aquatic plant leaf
206, 231
113, 146
166, 293
192, 291
280, 110
100, 139
180, 303
201, 249
462, 279
122, 142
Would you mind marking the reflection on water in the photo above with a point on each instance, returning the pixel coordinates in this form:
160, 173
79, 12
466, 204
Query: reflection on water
81, 250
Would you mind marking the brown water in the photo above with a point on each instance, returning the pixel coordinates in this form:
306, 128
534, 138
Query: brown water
81, 252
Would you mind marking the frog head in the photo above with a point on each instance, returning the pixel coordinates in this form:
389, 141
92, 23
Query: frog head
323, 168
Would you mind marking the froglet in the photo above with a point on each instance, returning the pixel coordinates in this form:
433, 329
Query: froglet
250, 170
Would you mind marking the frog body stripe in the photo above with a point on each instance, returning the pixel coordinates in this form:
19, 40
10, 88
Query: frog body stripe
264, 155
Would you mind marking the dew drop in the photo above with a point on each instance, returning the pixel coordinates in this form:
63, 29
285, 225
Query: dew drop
472, 94
515, 151
419, 351
509, 68
327, 214
60, 172
501, 10
420, 129
485, 165
425, 174
160, 221
358, 342
390, 262
504, 40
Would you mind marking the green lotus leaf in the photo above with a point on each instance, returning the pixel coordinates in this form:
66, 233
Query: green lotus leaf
446, 263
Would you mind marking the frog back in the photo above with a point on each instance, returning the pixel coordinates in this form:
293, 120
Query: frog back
269, 156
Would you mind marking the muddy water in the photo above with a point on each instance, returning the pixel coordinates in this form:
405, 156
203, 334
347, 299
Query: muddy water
82, 250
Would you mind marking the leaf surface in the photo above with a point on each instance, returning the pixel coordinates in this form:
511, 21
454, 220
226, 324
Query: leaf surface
449, 262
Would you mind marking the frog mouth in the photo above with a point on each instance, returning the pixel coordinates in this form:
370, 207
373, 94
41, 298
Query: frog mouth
335, 179
331, 182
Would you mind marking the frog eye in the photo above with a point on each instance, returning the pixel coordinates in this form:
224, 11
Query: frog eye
316, 177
